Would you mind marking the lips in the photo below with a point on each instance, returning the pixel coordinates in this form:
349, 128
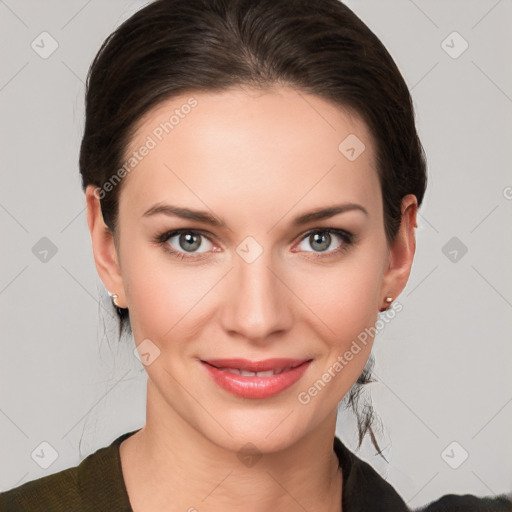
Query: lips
276, 365
256, 379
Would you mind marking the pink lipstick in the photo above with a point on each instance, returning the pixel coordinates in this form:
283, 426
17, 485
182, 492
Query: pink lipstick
256, 379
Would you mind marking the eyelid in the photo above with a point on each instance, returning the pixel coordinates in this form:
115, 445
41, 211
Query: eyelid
175, 232
348, 241
171, 233
347, 237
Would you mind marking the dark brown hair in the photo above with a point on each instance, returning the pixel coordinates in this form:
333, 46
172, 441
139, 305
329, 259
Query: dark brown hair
321, 47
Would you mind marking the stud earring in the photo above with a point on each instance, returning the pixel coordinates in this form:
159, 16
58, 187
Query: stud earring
389, 300
114, 298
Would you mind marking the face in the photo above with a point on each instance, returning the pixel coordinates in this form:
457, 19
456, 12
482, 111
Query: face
257, 282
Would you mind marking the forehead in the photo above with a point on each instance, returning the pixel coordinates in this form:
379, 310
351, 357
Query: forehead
250, 148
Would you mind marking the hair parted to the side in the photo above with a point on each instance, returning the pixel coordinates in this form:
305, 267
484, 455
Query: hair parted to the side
321, 47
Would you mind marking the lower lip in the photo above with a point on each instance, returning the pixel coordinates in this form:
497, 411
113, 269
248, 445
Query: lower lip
256, 387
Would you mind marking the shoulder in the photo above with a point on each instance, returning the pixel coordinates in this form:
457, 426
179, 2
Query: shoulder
469, 503
365, 489
95, 484
58, 491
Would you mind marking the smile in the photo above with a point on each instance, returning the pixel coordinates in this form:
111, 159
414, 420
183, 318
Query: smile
261, 379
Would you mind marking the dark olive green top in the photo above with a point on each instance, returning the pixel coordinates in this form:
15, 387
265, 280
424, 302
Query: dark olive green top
97, 485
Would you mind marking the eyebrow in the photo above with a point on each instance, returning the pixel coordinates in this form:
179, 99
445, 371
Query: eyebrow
207, 218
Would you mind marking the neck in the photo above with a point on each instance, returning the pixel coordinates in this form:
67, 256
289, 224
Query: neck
169, 465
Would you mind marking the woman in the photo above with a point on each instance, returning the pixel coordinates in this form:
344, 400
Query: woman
252, 176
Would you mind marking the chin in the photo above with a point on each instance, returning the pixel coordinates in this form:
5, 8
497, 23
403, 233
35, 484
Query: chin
266, 431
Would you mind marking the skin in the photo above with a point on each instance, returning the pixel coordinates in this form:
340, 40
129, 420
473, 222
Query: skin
255, 159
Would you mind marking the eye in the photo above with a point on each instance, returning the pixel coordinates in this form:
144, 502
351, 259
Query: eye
322, 240
184, 243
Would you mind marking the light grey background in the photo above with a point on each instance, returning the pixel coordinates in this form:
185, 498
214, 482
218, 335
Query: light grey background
442, 365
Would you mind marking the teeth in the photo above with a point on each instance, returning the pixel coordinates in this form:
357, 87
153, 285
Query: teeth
245, 373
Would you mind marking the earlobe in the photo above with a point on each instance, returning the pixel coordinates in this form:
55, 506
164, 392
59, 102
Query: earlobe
401, 251
103, 246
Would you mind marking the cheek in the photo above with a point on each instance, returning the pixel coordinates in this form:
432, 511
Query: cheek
346, 301
170, 299
160, 293
346, 298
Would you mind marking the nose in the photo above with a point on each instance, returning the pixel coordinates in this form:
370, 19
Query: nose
257, 304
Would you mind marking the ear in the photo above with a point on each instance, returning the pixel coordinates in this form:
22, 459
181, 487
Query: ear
104, 247
401, 252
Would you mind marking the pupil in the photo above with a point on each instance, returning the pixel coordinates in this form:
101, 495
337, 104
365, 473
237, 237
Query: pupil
188, 238
325, 236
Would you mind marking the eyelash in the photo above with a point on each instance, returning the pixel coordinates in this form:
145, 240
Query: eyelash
347, 238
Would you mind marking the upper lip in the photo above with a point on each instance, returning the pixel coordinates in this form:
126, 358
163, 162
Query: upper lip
256, 366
